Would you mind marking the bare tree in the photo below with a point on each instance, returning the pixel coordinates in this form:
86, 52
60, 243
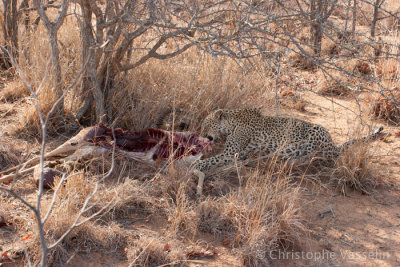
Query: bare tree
118, 36
108, 44
129, 33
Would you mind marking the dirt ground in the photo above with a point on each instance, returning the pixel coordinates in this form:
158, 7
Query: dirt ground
365, 229
362, 230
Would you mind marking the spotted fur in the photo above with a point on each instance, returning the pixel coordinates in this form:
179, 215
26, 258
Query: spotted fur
247, 132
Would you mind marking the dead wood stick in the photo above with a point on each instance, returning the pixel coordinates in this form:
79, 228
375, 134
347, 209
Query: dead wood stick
323, 213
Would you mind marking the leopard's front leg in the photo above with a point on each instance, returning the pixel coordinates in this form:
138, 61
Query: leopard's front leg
205, 165
232, 147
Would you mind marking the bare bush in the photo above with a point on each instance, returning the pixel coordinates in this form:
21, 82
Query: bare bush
124, 35
138, 57
42, 218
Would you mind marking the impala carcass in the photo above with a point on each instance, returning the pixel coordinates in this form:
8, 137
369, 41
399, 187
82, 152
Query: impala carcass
146, 146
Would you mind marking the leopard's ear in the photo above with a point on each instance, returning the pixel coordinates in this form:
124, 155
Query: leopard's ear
219, 114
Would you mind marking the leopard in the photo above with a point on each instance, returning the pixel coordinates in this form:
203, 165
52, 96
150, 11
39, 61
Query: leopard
248, 131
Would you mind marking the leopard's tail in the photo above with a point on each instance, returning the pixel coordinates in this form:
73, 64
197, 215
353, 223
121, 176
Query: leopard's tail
372, 136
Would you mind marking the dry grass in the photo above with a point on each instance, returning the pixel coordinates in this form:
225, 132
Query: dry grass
105, 235
89, 237
355, 170
388, 109
253, 215
262, 214
337, 87
303, 63
251, 210
147, 251
181, 214
176, 83
292, 101
14, 91
8, 156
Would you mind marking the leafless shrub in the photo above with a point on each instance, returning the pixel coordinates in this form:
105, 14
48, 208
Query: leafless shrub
78, 218
254, 35
214, 53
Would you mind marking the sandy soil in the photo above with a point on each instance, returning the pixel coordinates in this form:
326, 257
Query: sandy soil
363, 230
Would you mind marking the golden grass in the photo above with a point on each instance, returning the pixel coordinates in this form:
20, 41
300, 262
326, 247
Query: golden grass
355, 170
251, 211
150, 251
197, 88
13, 91
260, 215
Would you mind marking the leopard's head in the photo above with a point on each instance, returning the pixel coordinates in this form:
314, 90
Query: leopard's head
216, 124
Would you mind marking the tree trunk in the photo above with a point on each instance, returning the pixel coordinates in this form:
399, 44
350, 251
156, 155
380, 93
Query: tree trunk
347, 15
25, 4
90, 90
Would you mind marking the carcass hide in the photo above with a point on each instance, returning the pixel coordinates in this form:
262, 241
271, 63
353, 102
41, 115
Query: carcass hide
146, 146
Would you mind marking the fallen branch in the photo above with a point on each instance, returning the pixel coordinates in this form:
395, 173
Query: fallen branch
323, 213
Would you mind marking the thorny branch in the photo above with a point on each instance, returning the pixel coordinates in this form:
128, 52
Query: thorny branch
126, 34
